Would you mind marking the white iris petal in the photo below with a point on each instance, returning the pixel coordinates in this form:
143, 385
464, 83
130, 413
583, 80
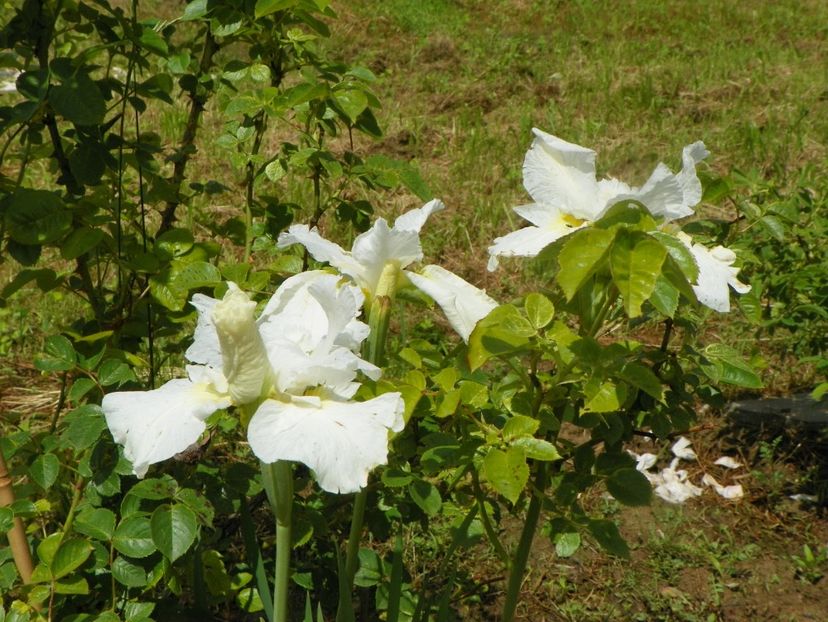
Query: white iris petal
340, 441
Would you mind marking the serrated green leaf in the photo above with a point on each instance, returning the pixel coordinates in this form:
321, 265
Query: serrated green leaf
725, 365
635, 263
665, 297
581, 256
133, 537
537, 449
266, 7
36, 217
6, 519
506, 471
79, 388
174, 529
113, 371
520, 425
503, 331
630, 487
70, 555
79, 100
80, 241
425, 495
98, 523
84, 426
60, 355
642, 377
679, 253
567, 543
78, 585
607, 535
195, 275
44, 470
127, 573
539, 309
352, 101
88, 163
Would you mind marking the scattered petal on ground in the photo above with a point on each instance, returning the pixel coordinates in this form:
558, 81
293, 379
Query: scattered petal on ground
681, 449
728, 492
728, 462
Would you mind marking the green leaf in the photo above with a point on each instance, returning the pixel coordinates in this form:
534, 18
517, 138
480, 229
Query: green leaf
6, 519
80, 387
520, 425
635, 262
88, 163
607, 398
643, 378
425, 495
48, 547
537, 449
174, 529
78, 99
503, 331
607, 535
153, 41
725, 365
80, 241
506, 471
174, 243
396, 478
567, 543
194, 10
154, 489
127, 573
37, 217
539, 309
44, 470
352, 101
398, 170
133, 537
581, 256
60, 355
84, 426
78, 585
98, 523
370, 571
665, 297
266, 7
113, 371
71, 554
630, 487
679, 253
195, 275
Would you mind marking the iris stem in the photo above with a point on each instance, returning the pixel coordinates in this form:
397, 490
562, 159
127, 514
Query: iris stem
277, 478
379, 317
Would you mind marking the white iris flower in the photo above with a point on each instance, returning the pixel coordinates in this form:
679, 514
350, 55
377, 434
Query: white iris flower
560, 177
716, 273
378, 260
295, 364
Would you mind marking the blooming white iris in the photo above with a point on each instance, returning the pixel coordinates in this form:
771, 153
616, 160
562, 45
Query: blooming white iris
377, 262
295, 365
560, 177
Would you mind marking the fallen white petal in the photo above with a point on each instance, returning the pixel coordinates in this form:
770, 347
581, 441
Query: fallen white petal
728, 462
155, 425
340, 441
728, 492
681, 449
463, 303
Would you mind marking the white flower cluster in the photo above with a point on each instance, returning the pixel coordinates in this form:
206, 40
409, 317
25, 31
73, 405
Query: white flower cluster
295, 367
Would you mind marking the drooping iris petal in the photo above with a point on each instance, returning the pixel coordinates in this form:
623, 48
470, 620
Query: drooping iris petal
381, 245
155, 425
340, 441
716, 274
562, 175
673, 196
463, 303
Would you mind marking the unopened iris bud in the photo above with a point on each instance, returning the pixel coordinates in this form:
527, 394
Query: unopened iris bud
244, 358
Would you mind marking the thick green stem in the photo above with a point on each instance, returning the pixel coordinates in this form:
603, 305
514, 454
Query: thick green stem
530, 525
379, 317
278, 483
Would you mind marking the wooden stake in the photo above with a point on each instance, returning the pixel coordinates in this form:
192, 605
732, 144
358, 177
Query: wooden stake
17, 535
